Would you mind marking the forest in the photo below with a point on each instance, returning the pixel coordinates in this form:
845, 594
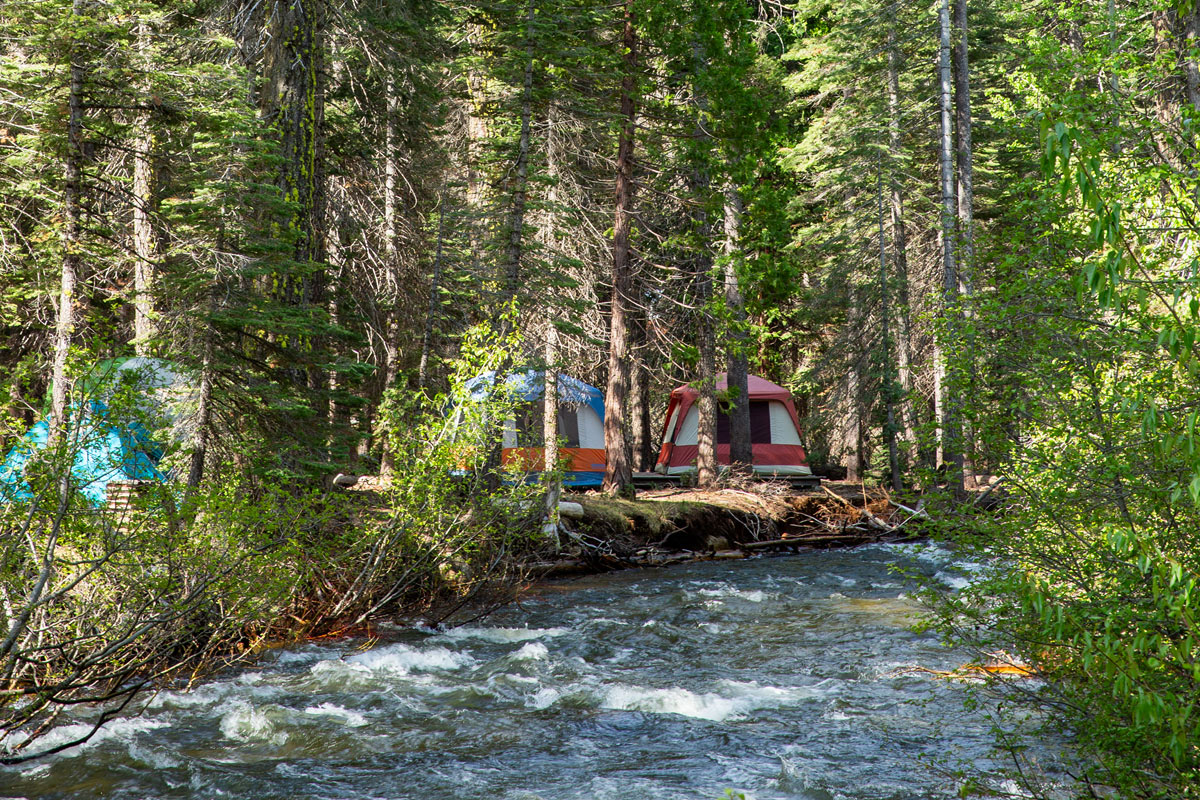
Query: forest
965, 235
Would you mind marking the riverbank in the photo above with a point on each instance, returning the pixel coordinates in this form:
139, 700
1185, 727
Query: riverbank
668, 526
598, 533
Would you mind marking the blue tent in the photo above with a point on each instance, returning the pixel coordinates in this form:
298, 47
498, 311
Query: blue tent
580, 423
530, 385
104, 452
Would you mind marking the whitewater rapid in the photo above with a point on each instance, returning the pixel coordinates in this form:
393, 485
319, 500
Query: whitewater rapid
783, 677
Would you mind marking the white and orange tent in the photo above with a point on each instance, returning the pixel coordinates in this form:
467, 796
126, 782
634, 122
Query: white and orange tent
580, 424
774, 431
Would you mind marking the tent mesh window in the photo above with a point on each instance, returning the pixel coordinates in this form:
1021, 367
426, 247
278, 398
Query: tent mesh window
530, 432
568, 424
760, 423
529, 424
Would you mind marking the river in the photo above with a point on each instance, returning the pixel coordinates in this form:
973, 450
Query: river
783, 677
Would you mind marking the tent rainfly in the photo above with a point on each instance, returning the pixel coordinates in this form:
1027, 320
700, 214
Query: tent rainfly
103, 452
105, 449
774, 431
580, 424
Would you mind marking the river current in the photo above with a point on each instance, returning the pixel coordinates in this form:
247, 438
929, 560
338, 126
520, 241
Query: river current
786, 677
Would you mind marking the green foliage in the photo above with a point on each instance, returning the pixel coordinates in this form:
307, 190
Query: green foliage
1098, 588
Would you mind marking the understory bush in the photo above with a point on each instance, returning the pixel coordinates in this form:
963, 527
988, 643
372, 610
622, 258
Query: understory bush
98, 602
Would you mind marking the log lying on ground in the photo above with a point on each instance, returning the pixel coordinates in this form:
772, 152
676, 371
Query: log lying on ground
671, 526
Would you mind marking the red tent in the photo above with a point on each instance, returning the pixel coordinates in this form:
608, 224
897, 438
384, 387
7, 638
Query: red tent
774, 431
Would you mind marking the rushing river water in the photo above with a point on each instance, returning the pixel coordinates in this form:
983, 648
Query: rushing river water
777, 677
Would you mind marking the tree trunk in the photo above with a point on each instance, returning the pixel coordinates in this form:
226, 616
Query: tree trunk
516, 219
966, 172
900, 245
294, 96
550, 432
202, 430
618, 475
643, 441
852, 421
434, 296
1191, 74
966, 212
1170, 88
203, 424
889, 425
145, 240
706, 403
71, 241
391, 236
741, 449
478, 131
950, 437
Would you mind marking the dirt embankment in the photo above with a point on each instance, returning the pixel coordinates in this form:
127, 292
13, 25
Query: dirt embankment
667, 526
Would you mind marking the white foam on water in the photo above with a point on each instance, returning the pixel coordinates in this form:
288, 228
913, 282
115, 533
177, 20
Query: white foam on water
306, 656
250, 684
955, 582
738, 700
1009, 788
246, 723
531, 651
119, 729
351, 719
501, 635
544, 698
393, 661
928, 552
402, 659
752, 595
155, 758
511, 678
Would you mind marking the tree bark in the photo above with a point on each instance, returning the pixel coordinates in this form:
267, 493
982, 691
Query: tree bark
852, 421
706, 403
71, 240
294, 99
966, 213
618, 475
1170, 89
550, 431
434, 296
965, 154
889, 425
950, 436
516, 219
1191, 39
200, 435
741, 449
391, 235
145, 240
640, 406
899, 245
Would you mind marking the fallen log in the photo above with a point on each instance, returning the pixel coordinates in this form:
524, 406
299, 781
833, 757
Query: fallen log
838, 497
791, 541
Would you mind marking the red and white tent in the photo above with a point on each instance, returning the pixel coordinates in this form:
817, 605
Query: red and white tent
774, 431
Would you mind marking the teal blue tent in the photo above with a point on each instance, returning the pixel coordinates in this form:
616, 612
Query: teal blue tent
104, 452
